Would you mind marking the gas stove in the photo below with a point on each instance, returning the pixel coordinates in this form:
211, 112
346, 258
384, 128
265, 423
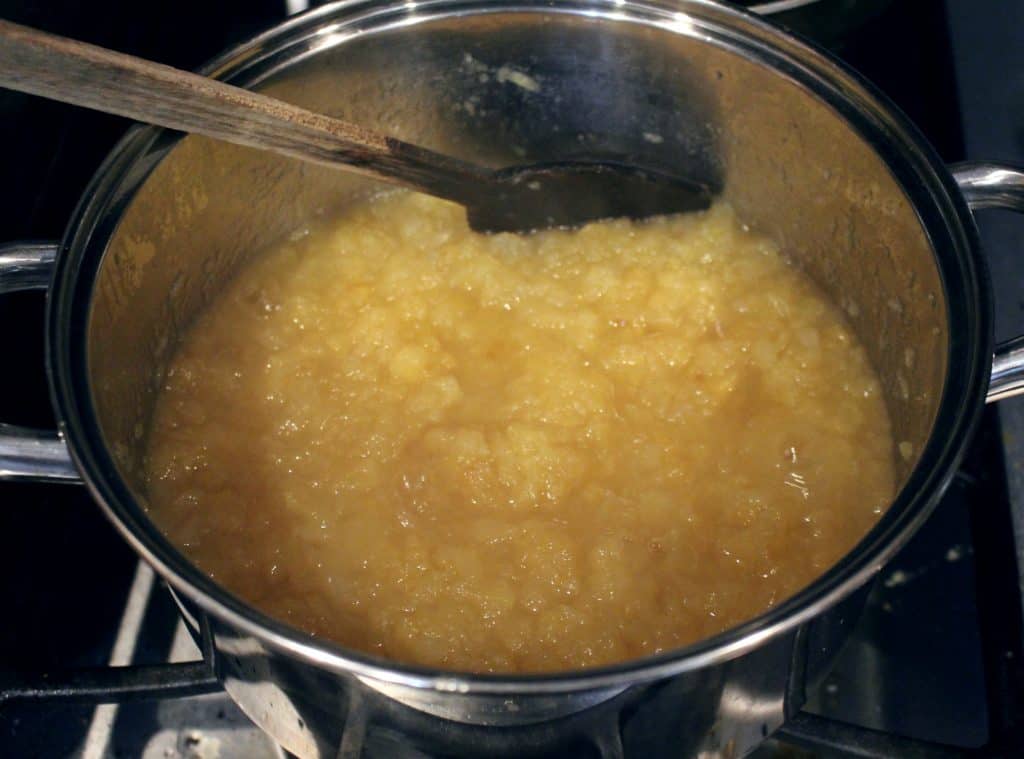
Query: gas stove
934, 666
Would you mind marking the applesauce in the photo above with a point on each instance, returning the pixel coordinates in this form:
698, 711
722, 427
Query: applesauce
518, 453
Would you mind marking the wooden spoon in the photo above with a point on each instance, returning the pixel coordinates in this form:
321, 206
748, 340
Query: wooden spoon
516, 199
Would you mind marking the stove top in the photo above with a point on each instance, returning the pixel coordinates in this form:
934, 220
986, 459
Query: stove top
934, 666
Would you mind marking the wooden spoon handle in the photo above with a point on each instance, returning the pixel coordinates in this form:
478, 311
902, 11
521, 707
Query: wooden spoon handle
75, 72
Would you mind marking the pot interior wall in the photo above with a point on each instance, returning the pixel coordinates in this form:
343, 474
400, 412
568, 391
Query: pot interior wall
502, 88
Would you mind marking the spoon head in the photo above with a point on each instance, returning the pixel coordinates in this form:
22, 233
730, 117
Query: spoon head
572, 193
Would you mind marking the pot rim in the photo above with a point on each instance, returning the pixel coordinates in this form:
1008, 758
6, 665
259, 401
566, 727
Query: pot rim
928, 185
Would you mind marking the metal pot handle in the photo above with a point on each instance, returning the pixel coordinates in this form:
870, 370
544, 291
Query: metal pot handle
993, 185
25, 453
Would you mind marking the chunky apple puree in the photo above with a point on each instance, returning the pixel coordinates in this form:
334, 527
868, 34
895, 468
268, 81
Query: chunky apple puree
518, 453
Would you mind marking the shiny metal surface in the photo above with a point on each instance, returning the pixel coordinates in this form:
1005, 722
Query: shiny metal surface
779, 5
989, 185
806, 152
34, 455
26, 265
28, 454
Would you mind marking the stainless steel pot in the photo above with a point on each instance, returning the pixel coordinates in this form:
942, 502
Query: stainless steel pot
804, 150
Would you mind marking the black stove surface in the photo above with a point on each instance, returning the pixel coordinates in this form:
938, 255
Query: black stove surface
936, 656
